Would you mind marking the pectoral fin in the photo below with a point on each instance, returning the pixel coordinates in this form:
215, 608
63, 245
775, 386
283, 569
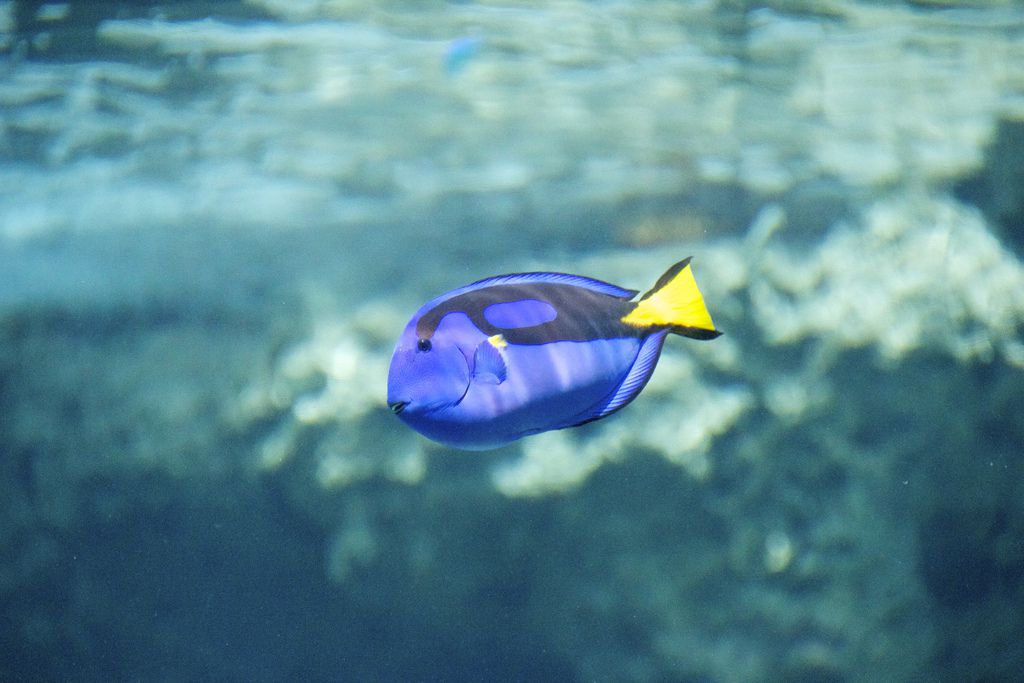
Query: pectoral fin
488, 364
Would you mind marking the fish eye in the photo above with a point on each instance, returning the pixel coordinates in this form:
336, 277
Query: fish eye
423, 345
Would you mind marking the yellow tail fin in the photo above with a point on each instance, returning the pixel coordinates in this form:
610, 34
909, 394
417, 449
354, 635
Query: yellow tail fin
675, 302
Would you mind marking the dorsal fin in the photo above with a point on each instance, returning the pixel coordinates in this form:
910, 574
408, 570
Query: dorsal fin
556, 278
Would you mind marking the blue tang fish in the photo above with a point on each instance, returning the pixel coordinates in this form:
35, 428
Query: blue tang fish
519, 354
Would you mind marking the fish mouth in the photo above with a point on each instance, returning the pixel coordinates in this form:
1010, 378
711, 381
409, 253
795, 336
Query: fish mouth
398, 406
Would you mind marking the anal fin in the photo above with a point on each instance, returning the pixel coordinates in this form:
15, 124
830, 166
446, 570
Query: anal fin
635, 380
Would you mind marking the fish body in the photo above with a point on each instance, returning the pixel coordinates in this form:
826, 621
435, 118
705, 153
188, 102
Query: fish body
519, 354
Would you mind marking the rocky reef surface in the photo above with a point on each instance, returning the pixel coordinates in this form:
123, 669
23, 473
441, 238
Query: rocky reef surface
215, 218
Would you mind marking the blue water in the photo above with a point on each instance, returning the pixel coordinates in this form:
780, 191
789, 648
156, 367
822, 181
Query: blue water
216, 217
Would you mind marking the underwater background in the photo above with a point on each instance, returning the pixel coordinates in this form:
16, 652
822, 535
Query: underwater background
217, 216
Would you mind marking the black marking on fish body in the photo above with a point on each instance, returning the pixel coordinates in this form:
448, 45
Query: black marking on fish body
582, 314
